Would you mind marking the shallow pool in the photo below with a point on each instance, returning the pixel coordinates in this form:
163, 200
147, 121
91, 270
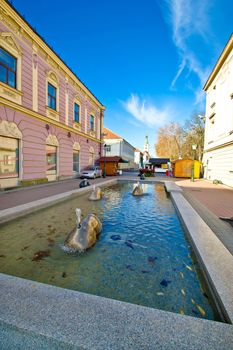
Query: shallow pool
141, 256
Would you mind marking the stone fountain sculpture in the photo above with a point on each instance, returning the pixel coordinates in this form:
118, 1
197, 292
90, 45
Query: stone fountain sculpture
138, 191
85, 234
96, 194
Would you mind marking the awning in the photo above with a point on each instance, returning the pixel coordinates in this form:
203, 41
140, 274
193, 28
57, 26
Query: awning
114, 159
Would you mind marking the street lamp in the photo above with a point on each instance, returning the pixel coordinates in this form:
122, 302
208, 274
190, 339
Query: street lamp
194, 147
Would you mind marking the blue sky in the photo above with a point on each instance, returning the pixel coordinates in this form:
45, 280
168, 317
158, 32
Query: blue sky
146, 61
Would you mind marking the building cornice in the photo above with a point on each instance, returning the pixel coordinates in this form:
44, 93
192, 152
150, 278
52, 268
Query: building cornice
226, 51
20, 27
38, 116
229, 143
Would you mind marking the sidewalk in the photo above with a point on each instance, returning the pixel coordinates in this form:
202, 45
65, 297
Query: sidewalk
13, 198
217, 198
212, 202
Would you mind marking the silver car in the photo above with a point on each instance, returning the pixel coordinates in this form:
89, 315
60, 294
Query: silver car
91, 173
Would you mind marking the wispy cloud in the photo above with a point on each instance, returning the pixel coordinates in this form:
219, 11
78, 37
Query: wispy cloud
146, 112
190, 24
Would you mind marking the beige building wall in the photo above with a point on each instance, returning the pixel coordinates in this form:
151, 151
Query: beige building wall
218, 146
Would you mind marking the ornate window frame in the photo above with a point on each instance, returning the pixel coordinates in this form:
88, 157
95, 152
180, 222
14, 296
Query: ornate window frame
91, 160
10, 129
52, 140
76, 147
92, 132
77, 125
51, 78
8, 43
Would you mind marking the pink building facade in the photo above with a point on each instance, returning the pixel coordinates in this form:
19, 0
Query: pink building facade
50, 123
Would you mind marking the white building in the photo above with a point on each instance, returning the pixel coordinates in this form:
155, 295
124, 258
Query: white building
119, 147
146, 154
138, 158
218, 146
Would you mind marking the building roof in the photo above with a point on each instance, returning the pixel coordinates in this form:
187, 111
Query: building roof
159, 161
115, 159
108, 134
226, 51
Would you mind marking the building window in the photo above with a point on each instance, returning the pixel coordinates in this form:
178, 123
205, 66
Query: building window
52, 97
8, 64
92, 122
51, 159
9, 157
76, 161
91, 159
76, 112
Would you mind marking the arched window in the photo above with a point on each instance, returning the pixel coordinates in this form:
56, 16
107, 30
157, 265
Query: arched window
52, 95
76, 157
10, 136
10, 68
91, 156
51, 155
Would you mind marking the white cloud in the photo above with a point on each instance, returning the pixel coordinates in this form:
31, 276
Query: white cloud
190, 23
146, 112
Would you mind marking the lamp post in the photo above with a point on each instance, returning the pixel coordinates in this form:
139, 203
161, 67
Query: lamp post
194, 147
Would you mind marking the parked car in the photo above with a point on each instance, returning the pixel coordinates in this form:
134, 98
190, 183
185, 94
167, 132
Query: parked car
91, 172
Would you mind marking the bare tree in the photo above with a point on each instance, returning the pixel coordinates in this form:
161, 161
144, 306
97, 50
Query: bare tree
175, 141
170, 141
195, 129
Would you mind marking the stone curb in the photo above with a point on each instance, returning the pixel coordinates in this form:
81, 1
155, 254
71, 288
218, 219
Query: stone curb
213, 256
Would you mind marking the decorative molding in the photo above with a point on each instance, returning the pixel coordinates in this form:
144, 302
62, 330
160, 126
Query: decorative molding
10, 129
35, 81
230, 143
51, 113
43, 118
9, 40
52, 140
76, 146
52, 78
91, 150
35, 60
51, 75
77, 126
10, 93
92, 133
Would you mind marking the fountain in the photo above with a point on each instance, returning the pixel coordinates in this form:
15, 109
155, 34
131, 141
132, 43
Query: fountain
138, 191
96, 194
85, 234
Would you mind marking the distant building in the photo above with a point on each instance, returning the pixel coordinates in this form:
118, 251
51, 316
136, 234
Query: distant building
138, 158
218, 145
146, 154
119, 147
50, 122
